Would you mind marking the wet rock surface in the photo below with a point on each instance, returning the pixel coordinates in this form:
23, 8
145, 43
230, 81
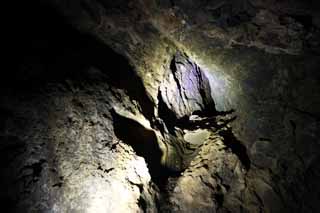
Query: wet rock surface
161, 106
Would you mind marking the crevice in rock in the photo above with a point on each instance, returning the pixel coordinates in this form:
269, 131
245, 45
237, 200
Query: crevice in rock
145, 144
294, 127
219, 198
59, 185
142, 204
236, 147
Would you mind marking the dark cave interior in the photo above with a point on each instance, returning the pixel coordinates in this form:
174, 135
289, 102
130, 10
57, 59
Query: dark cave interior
161, 106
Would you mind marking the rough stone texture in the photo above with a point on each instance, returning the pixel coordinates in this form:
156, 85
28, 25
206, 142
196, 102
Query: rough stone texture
86, 128
59, 151
186, 89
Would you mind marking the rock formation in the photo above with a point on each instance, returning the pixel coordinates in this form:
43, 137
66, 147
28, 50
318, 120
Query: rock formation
161, 106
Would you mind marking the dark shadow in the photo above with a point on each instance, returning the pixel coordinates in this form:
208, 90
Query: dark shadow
52, 51
145, 144
236, 147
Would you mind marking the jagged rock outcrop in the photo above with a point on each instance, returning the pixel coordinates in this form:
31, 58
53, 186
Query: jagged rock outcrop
186, 89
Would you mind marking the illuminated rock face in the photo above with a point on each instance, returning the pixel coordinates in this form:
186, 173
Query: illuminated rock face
162, 106
186, 89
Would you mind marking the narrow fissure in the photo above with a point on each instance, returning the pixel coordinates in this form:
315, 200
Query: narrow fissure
145, 144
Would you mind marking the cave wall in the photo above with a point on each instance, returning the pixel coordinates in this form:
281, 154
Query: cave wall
82, 121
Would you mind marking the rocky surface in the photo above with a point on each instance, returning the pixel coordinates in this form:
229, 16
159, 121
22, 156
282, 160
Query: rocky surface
162, 106
185, 89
